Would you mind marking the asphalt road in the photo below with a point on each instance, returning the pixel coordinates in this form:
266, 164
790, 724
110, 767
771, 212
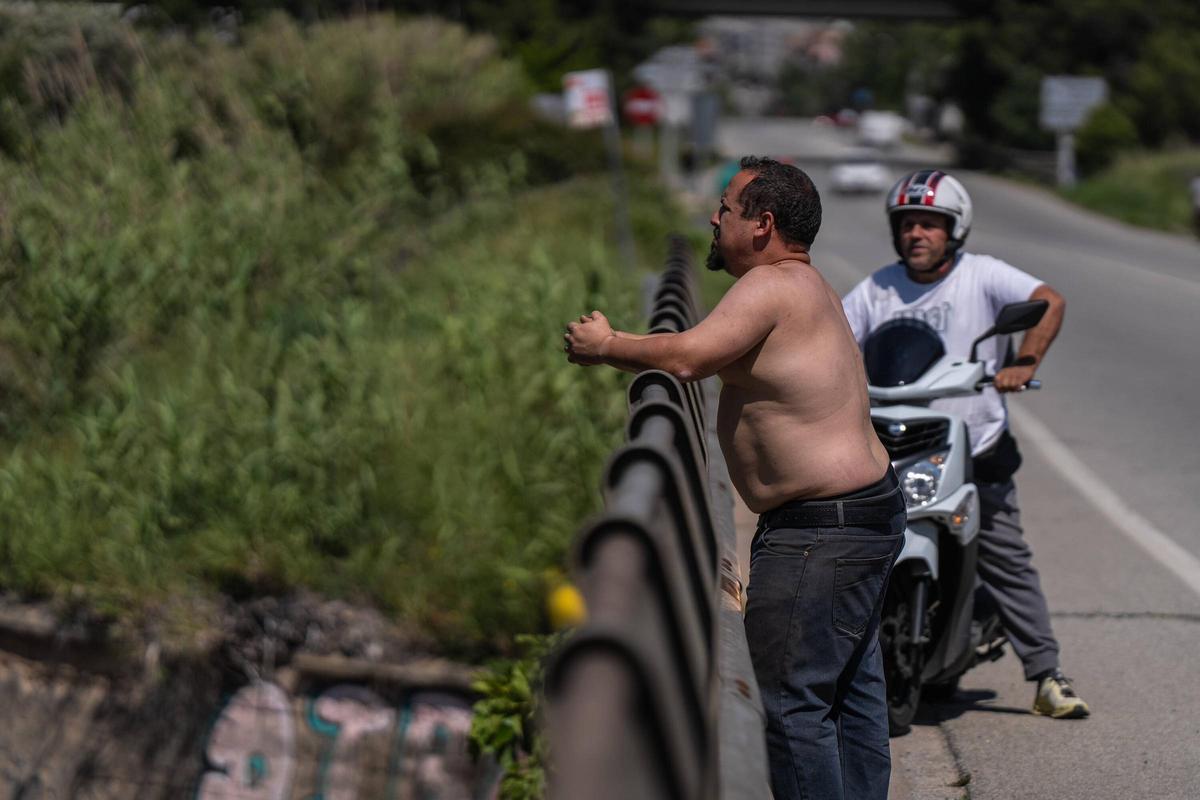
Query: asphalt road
1110, 492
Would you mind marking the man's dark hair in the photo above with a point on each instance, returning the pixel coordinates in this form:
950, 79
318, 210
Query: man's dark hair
787, 193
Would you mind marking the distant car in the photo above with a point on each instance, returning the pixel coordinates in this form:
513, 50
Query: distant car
880, 128
846, 118
860, 171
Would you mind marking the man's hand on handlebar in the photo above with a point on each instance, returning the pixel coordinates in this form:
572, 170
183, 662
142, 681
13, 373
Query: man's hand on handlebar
1013, 379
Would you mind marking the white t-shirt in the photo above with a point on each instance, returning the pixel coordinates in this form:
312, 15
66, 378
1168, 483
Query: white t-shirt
959, 307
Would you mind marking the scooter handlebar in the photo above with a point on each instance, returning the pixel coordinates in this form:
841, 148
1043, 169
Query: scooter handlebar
990, 379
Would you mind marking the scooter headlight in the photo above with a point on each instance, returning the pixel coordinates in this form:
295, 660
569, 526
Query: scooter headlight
920, 480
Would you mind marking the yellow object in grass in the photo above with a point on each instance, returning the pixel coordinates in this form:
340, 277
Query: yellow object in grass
566, 607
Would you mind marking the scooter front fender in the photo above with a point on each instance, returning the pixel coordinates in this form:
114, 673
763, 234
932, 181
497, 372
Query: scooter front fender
920, 547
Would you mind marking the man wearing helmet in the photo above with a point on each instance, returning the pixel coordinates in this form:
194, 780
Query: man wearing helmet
959, 294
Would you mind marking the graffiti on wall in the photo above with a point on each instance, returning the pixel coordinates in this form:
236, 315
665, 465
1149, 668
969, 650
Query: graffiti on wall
345, 744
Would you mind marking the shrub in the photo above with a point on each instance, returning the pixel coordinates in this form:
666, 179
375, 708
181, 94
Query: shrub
508, 716
1103, 136
266, 324
51, 57
1147, 189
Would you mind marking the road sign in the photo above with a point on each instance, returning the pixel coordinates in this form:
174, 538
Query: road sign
1067, 101
588, 99
675, 73
642, 106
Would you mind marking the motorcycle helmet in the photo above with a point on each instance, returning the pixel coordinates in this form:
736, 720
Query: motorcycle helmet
931, 190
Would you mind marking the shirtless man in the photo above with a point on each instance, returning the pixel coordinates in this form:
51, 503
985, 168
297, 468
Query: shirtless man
795, 429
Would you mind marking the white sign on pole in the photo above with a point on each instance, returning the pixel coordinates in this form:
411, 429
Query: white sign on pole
588, 99
1067, 101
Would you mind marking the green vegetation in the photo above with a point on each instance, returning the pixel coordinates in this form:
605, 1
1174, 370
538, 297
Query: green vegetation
886, 59
1146, 189
1105, 134
1145, 50
507, 717
288, 314
990, 63
50, 57
547, 37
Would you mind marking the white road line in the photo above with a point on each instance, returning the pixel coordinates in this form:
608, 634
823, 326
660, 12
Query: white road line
1136, 528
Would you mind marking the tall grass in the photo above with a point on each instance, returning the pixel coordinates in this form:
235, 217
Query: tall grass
289, 315
1146, 189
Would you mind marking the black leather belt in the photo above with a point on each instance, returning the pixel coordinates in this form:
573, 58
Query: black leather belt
875, 510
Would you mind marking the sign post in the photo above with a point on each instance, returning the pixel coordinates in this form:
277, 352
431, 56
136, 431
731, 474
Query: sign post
642, 107
675, 73
1066, 103
589, 102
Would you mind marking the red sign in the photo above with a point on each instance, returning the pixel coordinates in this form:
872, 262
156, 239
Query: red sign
642, 106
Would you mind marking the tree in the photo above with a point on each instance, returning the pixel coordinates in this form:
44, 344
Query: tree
549, 37
1145, 49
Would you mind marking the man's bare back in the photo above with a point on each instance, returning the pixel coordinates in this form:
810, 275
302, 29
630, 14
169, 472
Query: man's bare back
794, 418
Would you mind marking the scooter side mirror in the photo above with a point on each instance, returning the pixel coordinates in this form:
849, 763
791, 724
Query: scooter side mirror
1016, 317
1013, 318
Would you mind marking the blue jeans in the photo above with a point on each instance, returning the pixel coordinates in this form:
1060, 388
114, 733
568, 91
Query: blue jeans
812, 619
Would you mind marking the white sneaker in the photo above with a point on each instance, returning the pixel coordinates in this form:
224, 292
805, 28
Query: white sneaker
1056, 698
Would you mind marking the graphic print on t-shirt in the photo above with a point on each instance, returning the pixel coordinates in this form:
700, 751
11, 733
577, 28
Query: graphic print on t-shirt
936, 316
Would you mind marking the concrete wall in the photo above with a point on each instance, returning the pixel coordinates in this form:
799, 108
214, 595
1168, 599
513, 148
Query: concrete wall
69, 732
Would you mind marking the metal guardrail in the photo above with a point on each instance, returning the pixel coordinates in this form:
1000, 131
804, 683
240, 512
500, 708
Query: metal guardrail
654, 696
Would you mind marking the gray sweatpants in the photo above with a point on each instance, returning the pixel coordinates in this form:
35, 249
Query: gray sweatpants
1006, 568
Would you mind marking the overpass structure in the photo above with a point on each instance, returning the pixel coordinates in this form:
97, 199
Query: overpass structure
841, 9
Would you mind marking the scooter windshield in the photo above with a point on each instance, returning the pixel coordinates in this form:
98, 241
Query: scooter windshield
899, 351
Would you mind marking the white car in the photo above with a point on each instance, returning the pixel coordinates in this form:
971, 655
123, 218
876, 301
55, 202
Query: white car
860, 172
881, 128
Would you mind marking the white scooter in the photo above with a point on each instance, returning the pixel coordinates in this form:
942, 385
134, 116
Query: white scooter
931, 630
